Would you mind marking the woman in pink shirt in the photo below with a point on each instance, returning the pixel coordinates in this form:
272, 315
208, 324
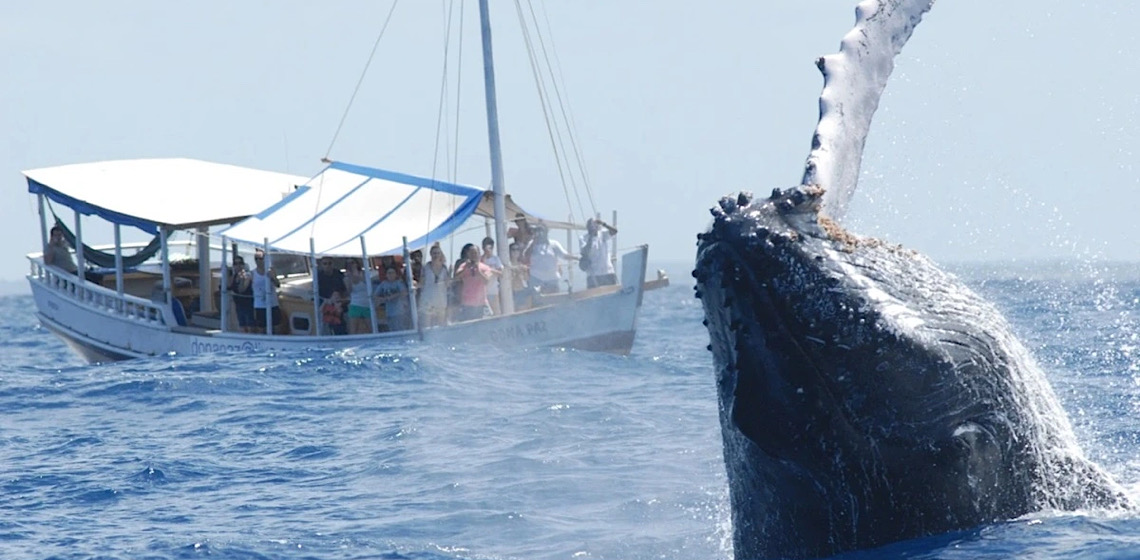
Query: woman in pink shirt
473, 277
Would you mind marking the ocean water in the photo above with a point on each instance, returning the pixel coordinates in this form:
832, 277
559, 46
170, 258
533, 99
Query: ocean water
432, 452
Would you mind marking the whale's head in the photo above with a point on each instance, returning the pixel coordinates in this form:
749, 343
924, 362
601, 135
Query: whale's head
818, 335
854, 371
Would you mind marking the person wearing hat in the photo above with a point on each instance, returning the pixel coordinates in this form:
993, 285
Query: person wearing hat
521, 232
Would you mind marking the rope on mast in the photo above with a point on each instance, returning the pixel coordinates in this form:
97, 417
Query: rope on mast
551, 124
567, 114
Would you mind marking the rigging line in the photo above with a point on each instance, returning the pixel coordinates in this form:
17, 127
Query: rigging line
449, 8
550, 126
458, 96
362, 74
567, 111
320, 186
565, 120
554, 83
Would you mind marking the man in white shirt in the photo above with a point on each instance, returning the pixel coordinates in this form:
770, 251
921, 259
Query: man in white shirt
542, 257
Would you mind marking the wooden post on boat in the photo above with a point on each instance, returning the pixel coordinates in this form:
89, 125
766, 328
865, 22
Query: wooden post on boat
367, 269
316, 322
410, 279
80, 262
118, 261
268, 260
224, 287
506, 295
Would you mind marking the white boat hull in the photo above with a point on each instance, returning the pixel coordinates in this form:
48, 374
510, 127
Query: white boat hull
103, 326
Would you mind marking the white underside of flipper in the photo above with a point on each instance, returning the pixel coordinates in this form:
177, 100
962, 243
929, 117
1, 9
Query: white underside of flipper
853, 81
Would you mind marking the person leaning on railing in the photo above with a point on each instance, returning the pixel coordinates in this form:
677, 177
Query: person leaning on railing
57, 253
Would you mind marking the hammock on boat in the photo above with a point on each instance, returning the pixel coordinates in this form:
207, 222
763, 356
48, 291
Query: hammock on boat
107, 260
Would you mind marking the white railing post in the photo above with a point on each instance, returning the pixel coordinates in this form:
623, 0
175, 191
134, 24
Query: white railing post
316, 323
167, 294
80, 262
118, 261
205, 280
43, 221
410, 280
367, 268
268, 260
224, 288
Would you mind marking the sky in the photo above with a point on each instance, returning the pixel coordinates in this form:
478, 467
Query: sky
1008, 131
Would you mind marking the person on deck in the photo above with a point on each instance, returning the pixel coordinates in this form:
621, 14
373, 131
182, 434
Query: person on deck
359, 304
520, 275
393, 293
595, 250
240, 286
492, 260
265, 284
332, 314
330, 281
473, 277
433, 290
522, 232
417, 266
57, 253
542, 258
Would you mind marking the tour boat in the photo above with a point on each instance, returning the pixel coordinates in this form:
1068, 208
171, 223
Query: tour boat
166, 297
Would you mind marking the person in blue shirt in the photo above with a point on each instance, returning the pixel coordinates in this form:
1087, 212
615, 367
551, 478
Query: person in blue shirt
394, 295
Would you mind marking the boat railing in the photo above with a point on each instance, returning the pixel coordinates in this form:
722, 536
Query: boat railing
96, 297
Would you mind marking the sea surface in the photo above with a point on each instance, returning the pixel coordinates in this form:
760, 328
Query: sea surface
436, 452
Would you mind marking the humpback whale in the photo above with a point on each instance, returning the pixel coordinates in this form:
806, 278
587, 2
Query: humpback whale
865, 395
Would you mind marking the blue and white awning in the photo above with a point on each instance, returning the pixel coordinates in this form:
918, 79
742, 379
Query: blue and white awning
345, 202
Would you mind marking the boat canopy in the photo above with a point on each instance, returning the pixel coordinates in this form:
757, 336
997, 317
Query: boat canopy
345, 202
177, 193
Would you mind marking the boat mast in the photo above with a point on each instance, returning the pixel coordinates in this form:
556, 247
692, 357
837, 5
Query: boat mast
506, 295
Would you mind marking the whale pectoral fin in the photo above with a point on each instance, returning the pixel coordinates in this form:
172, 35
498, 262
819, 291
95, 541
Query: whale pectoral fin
745, 413
757, 409
779, 420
